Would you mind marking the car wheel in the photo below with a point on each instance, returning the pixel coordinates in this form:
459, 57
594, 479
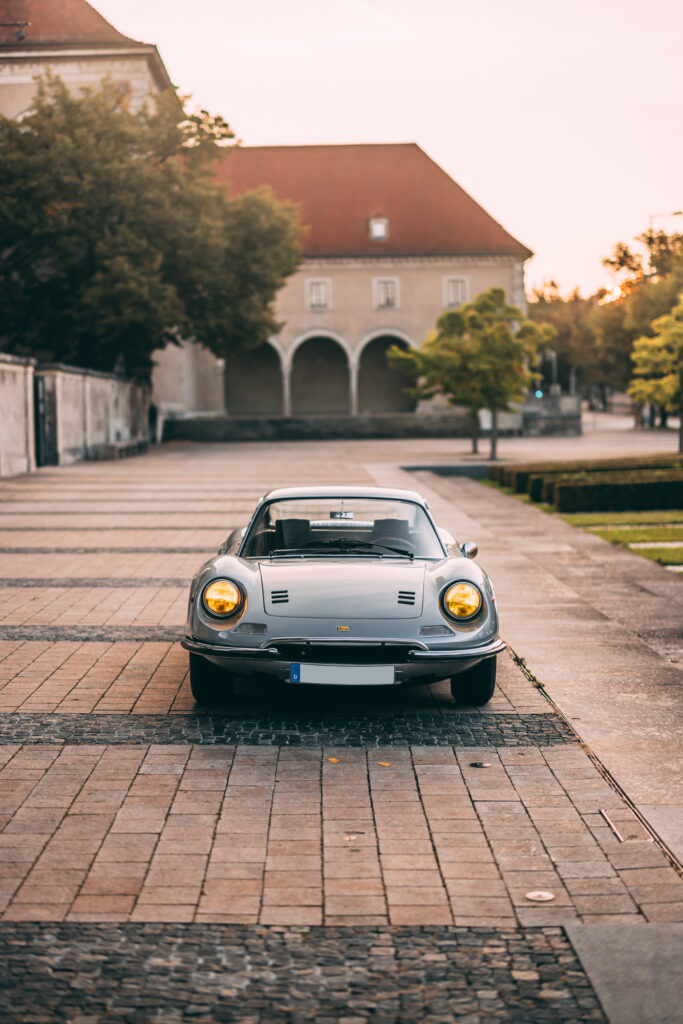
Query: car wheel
475, 687
209, 683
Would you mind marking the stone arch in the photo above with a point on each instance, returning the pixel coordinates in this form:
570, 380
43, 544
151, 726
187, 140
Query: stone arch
319, 380
380, 387
253, 382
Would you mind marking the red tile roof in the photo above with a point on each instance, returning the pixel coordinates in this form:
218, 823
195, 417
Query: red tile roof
58, 22
339, 188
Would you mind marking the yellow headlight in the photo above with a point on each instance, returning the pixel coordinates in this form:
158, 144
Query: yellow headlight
462, 600
222, 597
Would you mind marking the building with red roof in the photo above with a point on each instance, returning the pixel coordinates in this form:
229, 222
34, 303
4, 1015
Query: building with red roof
72, 40
389, 241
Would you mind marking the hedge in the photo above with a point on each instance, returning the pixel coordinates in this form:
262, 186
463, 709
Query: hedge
611, 492
634, 476
517, 476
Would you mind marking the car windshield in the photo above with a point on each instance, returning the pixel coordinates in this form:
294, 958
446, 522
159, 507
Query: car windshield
370, 527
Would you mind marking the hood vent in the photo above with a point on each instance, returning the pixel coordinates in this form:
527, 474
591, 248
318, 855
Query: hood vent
406, 597
279, 596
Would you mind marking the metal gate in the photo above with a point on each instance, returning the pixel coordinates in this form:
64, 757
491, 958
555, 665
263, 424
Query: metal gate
45, 409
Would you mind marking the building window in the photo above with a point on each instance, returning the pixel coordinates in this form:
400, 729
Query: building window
378, 228
318, 294
454, 292
385, 292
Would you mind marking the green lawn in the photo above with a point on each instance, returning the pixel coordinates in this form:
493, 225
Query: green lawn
671, 515
634, 534
665, 556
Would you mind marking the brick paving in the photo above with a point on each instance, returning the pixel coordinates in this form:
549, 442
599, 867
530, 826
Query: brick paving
336, 835
131, 668
296, 856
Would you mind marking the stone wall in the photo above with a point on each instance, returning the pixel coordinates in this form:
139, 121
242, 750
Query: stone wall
53, 415
17, 448
94, 413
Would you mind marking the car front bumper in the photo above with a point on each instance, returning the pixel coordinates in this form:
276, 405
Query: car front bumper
415, 663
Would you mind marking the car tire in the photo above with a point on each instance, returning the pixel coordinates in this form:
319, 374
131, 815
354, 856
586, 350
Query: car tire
475, 687
209, 683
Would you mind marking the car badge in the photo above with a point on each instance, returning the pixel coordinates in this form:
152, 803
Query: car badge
343, 629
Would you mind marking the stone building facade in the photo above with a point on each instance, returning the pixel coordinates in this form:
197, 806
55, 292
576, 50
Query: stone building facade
70, 39
390, 241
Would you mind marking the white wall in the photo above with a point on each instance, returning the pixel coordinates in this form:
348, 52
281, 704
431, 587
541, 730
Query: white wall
17, 451
91, 411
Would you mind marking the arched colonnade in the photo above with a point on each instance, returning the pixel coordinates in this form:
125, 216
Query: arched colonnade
319, 374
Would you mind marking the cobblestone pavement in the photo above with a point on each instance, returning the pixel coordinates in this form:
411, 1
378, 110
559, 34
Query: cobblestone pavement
256, 975
289, 729
297, 855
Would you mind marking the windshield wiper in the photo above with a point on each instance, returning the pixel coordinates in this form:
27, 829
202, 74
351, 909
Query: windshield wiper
346, 543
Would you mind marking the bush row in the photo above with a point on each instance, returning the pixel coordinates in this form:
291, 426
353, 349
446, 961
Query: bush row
616, 492
518, 476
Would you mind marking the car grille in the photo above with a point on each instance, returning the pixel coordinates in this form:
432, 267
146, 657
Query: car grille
279, 596
348, 653
406, 597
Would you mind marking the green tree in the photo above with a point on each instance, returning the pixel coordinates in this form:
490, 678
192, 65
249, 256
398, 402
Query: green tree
114, 239
478, 357
650, 277
574, 341
658, 365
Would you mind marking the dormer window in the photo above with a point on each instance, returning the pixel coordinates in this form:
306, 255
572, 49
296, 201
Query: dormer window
378, 228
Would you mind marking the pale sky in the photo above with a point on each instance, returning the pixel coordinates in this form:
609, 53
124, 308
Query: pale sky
563, 118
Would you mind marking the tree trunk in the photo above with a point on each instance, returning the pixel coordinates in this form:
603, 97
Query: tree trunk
494, 435
475, 432
663, 416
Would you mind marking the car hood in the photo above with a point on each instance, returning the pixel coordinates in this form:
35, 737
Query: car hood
343, 589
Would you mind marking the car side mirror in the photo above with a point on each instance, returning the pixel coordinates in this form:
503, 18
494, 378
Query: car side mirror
470, 549
233, 541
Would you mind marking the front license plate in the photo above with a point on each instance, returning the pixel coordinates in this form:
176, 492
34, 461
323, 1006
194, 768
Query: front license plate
342, 675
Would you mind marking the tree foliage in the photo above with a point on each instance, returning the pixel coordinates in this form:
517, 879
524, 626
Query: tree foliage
479, 357
658, 362
656, 254
114, 238
574, 341
650, 278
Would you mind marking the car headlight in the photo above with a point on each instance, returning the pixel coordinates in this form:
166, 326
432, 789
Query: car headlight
222, 598
462, 601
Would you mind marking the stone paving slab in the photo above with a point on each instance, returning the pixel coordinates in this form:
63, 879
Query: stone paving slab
139, 539
337, 975
335, 835
81, 564
637, 975
136, 605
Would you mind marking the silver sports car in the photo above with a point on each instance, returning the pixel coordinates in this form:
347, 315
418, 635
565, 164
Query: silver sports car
343, 586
